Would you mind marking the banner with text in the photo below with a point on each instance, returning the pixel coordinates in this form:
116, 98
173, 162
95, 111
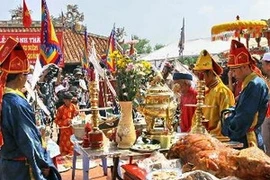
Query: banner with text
30, 42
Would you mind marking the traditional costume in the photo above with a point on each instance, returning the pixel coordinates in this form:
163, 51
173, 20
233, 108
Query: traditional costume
218, 96
186, 112
22, 155
244, 123
63, 119
266, 123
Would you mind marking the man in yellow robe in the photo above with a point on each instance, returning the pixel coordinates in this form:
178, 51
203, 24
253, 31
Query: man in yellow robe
217, 95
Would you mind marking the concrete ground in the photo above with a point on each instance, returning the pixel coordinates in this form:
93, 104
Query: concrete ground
94, 174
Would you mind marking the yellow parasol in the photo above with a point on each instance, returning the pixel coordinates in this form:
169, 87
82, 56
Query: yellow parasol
238, 28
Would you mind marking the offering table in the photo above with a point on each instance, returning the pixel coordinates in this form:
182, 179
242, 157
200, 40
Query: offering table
109, 151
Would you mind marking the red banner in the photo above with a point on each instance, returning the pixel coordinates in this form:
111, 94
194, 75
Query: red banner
30, 42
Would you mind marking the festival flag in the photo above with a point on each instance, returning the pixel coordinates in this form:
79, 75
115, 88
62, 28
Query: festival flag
27, 20
182, 38
111, 48
84, 62
50, 49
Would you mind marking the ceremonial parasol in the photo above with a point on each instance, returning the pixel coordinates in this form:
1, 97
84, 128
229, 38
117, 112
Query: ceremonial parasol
239, 28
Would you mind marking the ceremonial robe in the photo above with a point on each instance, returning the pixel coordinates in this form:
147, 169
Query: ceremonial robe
63, 119
22, 155
244, 124
187, 112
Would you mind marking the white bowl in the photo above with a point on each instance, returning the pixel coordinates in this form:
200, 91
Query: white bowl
79, 131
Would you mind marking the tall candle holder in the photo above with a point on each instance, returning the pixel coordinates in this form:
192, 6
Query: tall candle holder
199, 128
96, 135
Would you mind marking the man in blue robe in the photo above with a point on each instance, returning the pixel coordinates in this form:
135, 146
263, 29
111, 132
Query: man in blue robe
22, 156
244, 122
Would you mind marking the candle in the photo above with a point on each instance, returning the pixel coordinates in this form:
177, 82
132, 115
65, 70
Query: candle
165, 141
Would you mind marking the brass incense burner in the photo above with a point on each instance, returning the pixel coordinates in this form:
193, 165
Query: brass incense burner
159, 104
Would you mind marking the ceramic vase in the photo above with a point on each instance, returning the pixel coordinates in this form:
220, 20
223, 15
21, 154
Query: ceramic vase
125, 134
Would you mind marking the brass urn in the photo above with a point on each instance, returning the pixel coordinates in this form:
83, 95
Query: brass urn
158, 105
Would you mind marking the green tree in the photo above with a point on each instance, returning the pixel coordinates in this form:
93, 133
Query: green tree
188, 60
158, 46
143, 46
125, 47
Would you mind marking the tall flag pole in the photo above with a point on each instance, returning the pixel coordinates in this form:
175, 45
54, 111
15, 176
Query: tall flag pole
111, 48
85, 62
50, 50
27, 20
182, 39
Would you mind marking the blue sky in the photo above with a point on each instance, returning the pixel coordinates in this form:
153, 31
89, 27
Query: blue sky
159, 21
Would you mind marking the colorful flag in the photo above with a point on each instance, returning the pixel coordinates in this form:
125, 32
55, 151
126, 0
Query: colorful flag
27, 20
50, 49
182, 38
111, 48
85, 62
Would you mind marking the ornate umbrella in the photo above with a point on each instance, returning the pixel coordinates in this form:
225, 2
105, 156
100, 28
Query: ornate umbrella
239, 28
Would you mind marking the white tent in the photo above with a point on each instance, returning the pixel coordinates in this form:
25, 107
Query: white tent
194, 47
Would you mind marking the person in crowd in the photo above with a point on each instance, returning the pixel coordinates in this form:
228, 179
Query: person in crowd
30, 75
183, 86
22, 155
167, 74
190, 67
243, 124
257, 59
217, 95
65, 114
224, 75
79, 86
83, 95
50, 78
266, 123
66, 81
59, 91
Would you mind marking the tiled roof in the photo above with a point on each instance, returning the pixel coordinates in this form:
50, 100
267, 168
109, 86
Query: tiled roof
73, 42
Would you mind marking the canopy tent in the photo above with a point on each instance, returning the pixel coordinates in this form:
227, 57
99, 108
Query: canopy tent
194, 47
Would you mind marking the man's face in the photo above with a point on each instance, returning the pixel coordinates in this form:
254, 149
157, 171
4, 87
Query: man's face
178, 85
205, 75
22, 78
238, 72
67, 101
266, 67
181, 86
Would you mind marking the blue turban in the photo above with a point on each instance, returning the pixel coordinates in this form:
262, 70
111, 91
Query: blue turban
177, 76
